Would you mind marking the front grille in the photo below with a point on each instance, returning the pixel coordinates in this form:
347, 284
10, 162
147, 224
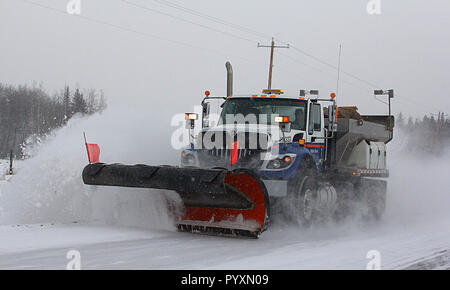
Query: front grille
224, 139
247, 158
251, 145
225, 153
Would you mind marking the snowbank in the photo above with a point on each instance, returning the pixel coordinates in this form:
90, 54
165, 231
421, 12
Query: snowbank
3, 167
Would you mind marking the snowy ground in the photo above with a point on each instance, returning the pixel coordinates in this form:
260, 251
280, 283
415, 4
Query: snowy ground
3, 169
131, 229
106, 247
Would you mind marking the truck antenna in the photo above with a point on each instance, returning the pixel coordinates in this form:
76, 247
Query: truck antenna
339, 70
272, 48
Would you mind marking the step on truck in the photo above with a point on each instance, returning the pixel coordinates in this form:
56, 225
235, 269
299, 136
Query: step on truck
266, 152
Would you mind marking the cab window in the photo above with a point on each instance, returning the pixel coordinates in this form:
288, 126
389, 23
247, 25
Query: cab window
315, 120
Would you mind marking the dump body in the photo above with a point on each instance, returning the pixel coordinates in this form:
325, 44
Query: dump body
352, 132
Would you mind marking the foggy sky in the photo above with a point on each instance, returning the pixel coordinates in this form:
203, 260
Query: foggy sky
406, 47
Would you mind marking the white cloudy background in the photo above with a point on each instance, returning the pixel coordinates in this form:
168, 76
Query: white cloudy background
119, 47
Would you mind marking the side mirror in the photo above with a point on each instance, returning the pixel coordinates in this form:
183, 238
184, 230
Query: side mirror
330, 113
332, 125
205, 115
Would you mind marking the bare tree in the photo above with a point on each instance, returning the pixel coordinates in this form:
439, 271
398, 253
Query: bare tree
27, 112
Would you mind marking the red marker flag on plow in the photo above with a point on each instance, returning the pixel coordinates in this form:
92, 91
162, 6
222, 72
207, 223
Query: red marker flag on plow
234, 153
93, 151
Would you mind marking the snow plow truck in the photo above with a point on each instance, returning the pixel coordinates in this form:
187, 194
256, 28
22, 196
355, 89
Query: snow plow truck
303, 155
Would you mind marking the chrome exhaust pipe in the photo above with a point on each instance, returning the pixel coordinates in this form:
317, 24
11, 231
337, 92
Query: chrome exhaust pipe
229, 79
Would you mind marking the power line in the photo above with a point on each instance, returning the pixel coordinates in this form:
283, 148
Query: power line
334, 67
218, 20
328, 74
185, 20
212, 18
118, 27
370, 84
215, 19
126, 29
257, 33
354, 85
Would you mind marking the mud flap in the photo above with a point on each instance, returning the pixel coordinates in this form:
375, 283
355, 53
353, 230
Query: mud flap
373, 194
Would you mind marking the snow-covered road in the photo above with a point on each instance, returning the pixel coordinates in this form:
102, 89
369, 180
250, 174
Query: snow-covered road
338, 247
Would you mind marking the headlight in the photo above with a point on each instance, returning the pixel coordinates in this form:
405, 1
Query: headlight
275, 164
191, 116
279, 163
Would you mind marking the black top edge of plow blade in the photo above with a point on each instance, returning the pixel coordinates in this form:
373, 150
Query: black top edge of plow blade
158, 177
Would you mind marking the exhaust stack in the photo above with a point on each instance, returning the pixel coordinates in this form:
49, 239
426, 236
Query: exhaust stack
229, 79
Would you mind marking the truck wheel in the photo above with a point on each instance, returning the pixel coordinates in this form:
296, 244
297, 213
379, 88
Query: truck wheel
297, 207
308, 197
305, 202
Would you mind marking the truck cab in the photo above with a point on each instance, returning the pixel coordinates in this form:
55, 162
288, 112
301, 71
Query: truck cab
276, 136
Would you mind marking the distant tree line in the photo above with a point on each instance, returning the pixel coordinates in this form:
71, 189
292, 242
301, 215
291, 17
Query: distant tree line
30, 112
428, 134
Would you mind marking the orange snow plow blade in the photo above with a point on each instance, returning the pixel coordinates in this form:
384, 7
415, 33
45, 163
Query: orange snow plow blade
216, 201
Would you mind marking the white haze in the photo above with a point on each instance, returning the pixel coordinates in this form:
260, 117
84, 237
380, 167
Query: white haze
48, 187
418, 184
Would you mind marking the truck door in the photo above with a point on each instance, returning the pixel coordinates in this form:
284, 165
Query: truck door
315, 130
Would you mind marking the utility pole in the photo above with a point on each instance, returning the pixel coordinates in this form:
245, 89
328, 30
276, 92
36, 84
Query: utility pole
272, 48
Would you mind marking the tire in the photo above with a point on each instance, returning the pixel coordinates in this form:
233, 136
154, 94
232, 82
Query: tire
307, 201
301, 204
303, 186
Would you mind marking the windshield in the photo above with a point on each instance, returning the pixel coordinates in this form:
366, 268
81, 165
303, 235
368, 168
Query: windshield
263, 111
